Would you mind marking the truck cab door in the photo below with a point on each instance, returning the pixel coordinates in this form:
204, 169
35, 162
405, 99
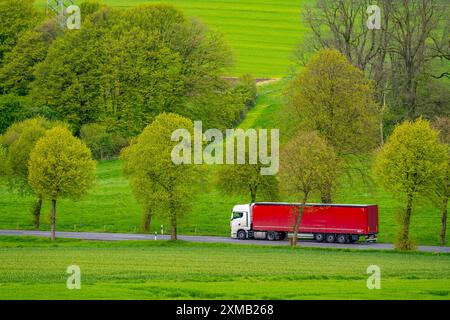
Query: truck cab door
239, 220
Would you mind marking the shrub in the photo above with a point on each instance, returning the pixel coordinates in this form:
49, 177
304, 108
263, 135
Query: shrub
12, 109
246, 86
103, 144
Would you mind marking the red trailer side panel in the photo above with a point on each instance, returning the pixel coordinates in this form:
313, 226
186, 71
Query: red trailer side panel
347, 219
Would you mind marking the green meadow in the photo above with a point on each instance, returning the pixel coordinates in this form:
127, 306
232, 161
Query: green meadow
36, 269
262, 34
110, 206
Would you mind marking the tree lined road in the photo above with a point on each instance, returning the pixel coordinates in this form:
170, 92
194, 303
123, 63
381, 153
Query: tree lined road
102, 236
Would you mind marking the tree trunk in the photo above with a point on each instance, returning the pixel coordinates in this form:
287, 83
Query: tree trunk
146, 219
325, 194
298, 220
53, 224
411, 106
411, 95
381, 133
36, 211
383, 111
253, 194
444, 220
404, 239
173, 230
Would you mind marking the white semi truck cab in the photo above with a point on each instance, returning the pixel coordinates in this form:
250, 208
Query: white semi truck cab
241, 219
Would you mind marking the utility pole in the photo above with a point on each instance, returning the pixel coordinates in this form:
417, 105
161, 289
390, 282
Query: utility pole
57, 10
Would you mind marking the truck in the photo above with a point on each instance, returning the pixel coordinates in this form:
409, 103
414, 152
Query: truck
341, 223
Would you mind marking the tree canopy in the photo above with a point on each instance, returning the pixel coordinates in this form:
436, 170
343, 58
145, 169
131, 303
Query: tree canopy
17, 72
17, 17
19, 140
334, 98
61, 166
127, 66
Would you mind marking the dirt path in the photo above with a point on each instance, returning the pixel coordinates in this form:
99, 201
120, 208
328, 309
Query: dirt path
259, 81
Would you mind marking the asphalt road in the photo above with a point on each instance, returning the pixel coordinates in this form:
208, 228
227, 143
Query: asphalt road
132, 236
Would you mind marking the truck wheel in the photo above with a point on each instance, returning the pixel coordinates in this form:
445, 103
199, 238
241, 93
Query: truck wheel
330, 238
342, 238
271, 236
241, 235
319, 237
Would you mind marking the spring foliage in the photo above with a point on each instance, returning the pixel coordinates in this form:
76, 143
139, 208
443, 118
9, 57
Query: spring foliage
334, 98
61, 166
19, 140
159, 184
17, 73
411, 164
16, 17
412, 160
307, 162
124, 67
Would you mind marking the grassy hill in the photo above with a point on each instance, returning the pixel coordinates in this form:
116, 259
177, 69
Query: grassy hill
262, 34
111, 207
34, 269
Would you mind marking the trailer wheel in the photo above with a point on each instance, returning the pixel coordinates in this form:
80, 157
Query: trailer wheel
319, 237
342, 238
281, 236
271, 236
241, 235
330, 238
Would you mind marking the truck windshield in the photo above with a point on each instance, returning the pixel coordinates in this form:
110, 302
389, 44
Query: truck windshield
237, 215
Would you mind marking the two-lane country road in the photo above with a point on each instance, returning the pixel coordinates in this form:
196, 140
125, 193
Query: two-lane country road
133, 236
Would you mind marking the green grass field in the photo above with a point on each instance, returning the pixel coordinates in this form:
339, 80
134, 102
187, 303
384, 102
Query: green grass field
35, 269
110, 206
261, 34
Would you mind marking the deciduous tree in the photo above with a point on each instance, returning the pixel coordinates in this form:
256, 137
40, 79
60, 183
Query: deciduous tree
60, 166
411, 164
124, 67
19, 140
307, 161
400, 56
161, 186
334, 98
414, 26
443, 188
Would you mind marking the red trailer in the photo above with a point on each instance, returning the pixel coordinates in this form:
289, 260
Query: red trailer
324, 222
